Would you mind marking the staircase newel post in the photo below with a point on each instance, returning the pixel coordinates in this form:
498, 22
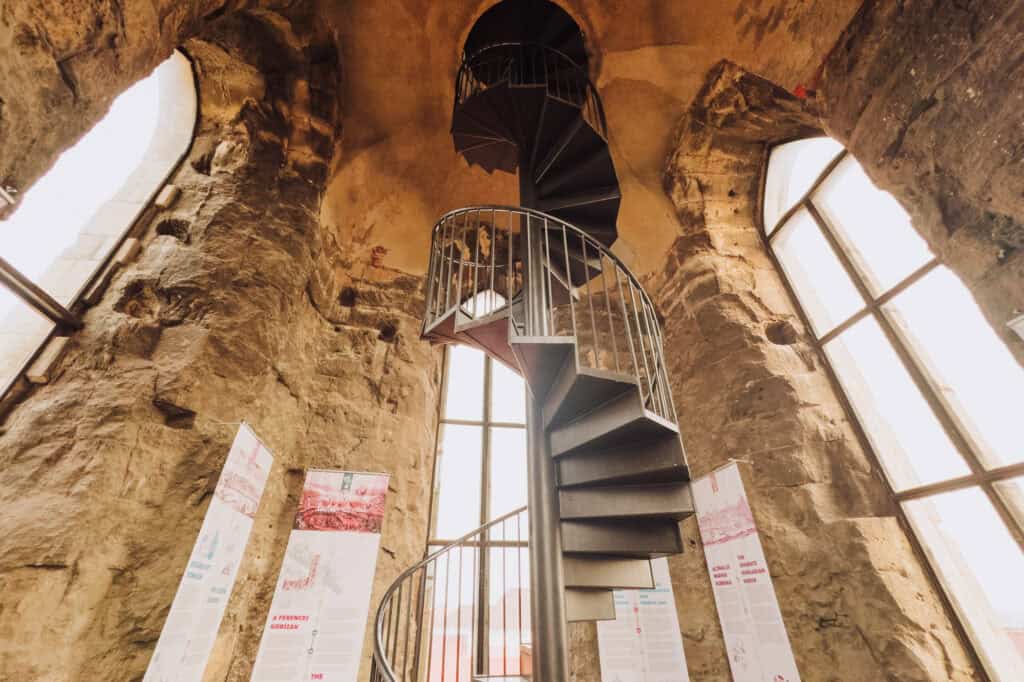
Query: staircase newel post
547, 582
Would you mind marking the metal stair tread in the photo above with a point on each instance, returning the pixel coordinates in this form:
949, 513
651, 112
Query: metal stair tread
621, 537
622, 419
648, 501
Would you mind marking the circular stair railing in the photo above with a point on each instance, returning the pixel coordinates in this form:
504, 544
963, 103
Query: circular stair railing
531, 65
444, 590
476, 274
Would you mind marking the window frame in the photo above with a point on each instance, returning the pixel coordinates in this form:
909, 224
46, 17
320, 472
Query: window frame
979, 476
68, 318
483, 546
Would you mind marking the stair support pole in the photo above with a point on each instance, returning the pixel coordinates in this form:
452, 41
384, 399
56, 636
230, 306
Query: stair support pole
547, 593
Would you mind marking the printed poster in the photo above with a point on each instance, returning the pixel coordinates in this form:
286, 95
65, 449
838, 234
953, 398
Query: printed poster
192, 623
643, 643
755, 636
318, 616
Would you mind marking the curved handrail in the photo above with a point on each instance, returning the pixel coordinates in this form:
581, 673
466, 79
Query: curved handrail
615, 322
529, 67
384, 670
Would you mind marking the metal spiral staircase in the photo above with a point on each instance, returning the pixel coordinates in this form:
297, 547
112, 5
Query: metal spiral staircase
537, 288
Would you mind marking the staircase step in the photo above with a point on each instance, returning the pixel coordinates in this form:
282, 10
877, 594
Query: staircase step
647, 539
576, 390
598, 195
620, 421
586, 162
589, 605
604, 572
541, 357
656, 461
664, 501
558, 147
489, 334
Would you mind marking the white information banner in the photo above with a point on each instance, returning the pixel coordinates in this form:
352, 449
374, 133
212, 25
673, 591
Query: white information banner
755, 636
643, 643
318, 616
191, 627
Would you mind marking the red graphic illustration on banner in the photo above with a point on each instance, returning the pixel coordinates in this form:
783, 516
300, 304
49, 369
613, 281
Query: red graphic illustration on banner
241, 482
358, 505
728, 523
306, 582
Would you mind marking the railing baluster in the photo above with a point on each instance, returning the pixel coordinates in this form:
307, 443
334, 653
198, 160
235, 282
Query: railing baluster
572, 288
590, 303
494, 245
519, 589
640, 338
629, 329
504, 606
547, 268
608, 308
444, 622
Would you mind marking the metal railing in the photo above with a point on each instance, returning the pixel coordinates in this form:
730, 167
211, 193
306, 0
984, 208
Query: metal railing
531, 65
459, 613
580, 289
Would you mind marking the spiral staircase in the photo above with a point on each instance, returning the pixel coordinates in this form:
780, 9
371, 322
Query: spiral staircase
537, 288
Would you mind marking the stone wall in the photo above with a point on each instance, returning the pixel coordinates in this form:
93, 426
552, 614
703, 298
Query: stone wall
750, 387
240, 308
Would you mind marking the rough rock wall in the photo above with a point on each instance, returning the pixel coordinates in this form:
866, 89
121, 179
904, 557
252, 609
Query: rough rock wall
750, 387
928, 96
240, 307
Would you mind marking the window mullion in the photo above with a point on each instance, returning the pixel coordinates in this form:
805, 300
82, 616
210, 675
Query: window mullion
918, 374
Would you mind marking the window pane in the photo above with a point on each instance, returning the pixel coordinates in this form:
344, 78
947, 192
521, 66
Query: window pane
872, 225
50, 237
458, 481
826, 293
465, 392
979, 378
508, 470
1012, 491
22, 329
792, 169
483, 304
508, 395
453, 598
981, 566
904, 431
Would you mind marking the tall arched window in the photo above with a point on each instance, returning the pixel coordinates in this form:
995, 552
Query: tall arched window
937, 394
67, 226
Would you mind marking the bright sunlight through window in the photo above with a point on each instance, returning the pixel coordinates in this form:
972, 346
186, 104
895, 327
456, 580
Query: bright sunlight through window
68, 223
936, 391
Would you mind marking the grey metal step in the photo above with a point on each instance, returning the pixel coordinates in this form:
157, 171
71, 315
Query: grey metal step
647, 539
577, 390
540, 358
654, 461
588, 605
607, 573
619, 421
666, 501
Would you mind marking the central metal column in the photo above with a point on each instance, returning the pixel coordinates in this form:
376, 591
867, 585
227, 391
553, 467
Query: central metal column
547, 583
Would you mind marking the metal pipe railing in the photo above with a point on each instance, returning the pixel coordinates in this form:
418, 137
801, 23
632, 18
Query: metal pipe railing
583, 291
405, 646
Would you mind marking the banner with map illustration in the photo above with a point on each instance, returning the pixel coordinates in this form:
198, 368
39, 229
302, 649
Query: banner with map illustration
192, 623
317, 619
643, 643
755, 636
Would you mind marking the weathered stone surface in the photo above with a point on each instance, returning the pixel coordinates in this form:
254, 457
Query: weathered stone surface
749, 387
232, 315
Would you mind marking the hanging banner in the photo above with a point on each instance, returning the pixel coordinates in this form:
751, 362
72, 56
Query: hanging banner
192, 623
643, 643
755, 636
318, 615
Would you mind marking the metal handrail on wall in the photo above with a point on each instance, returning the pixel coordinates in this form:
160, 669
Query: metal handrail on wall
531, 65
405, 649
586, 292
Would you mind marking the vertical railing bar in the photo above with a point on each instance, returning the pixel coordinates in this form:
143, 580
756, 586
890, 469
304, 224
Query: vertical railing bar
568, 278
519, 585
510, 274
529, 265
590, 302
608, 308
629, 329
433, 612
462, 262
474, 636
547, 267
444, 622
651, 326
494, 246
504, 604
416, 649
458, 620
408, 618
476, 266
640, 338
397, 618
